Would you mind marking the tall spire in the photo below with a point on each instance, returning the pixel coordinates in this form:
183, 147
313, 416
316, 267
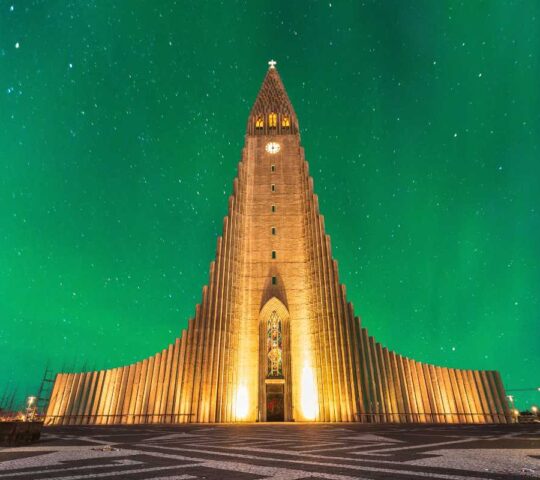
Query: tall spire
272, 112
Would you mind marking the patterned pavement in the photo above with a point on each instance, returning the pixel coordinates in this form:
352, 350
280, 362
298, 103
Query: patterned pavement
284, 452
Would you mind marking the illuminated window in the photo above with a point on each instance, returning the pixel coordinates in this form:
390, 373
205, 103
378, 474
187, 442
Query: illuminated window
273, 209
259, 123
274, 345
273, 168
285, 122
272, 120
273, 230
274, 280
274, 255
273, 188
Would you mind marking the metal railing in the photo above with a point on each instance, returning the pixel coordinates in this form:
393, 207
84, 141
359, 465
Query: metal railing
388, 417
118, 419
408, 417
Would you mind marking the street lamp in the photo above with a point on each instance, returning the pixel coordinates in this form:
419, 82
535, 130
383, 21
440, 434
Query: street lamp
511, 400
30, 408
534, 409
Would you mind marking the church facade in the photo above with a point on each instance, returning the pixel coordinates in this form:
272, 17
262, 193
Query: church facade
274, 337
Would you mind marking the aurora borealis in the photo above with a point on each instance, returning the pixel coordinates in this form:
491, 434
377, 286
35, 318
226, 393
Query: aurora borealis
122, 125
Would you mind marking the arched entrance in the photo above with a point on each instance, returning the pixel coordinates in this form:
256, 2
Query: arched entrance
274, 363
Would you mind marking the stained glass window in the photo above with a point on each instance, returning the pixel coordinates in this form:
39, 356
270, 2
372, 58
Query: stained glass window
285, 122
274, 346
259, 123
272, 120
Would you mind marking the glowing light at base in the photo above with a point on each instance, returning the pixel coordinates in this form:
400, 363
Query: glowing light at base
309, 401
241, 402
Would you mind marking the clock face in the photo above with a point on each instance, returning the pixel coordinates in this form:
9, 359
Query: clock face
272, 147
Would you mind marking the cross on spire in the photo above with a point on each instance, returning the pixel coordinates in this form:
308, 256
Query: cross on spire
272, 63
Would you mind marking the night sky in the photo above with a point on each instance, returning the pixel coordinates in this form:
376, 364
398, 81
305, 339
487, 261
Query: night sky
122, 123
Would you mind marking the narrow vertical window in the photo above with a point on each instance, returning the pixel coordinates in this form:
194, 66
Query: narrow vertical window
274, 280
273, 187
273, 230
273, 209
273, 254
273, 168
274, 345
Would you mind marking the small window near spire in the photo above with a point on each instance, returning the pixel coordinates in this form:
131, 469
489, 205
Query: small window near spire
259, 123
272, 120
274, 280
274, 255
285, 121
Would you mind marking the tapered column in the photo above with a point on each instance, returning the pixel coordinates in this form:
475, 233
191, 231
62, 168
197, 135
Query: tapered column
475, 397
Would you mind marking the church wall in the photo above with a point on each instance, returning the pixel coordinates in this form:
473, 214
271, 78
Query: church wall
396, 389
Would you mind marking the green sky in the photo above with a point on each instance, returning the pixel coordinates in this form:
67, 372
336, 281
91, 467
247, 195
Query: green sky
121, 126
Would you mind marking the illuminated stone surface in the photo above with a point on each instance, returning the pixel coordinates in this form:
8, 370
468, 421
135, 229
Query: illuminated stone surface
274, 264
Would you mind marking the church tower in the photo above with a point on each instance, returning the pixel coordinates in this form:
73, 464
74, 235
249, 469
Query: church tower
274, 338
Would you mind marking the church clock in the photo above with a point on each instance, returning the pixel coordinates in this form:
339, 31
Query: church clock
272, 147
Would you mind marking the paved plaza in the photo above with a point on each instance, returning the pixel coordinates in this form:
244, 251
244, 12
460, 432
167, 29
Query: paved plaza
278, 451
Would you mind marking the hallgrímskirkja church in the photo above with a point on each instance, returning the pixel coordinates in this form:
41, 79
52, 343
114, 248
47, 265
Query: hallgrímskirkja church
274, 337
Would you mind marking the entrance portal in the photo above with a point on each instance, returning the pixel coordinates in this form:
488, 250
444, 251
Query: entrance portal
275, 402
275, 392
